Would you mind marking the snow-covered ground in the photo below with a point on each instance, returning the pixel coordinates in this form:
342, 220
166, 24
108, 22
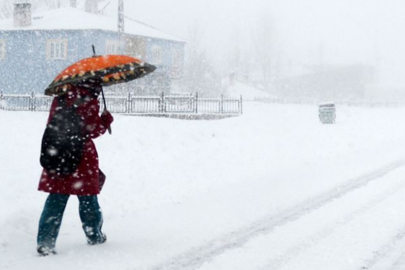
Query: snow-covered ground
238, 89
271, 189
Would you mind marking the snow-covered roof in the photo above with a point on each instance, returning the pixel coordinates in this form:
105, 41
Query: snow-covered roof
75, 19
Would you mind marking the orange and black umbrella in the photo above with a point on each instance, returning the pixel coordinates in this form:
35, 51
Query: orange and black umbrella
106, 70
102, 70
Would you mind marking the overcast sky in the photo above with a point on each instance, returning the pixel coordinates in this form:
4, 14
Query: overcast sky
306, 32
339, 31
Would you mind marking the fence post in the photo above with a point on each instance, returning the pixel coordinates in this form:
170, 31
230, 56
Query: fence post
162, 103
129, 107
221, 109
196, 102
241, 106
31, 106
1, 99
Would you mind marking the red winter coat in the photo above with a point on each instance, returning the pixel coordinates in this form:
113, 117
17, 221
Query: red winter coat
87, 179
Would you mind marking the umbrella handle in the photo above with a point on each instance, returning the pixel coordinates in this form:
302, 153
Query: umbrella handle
105, 107
109, 130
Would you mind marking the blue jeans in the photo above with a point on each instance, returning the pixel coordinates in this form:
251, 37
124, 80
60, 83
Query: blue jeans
51, 219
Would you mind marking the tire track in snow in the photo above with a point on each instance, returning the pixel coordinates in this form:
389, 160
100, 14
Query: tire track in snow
317, 237
197, 256
389, 249
399, 264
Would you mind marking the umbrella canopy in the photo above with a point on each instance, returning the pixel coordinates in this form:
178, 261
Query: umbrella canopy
106, 70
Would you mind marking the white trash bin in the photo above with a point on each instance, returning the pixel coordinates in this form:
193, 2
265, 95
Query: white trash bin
327, 113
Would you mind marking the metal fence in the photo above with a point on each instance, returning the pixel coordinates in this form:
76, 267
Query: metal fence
308, 101
162, 104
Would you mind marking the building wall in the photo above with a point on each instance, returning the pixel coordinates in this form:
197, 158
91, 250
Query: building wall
27, 67
171, 51
135, 46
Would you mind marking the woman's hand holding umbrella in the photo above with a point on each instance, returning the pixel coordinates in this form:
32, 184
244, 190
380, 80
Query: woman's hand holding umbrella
107, 118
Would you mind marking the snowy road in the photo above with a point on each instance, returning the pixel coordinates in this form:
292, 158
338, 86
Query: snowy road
271, 189
258, 246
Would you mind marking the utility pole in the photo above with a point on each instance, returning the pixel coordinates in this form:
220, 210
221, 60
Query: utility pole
121, 23
121, 16
73, 3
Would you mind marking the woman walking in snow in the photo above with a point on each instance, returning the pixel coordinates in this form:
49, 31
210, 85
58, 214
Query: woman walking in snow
85, 181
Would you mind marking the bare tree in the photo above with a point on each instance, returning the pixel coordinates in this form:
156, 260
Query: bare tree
6, 9
199, 75
239, 60
54, 4
264, 48
234, 53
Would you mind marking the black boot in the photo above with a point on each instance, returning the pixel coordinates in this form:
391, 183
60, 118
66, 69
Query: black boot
45, 251
99, 241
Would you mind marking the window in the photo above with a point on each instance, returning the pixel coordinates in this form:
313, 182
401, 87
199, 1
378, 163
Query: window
176, 64
157, 55
2, 49
112, 47
176, 58
57, 48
